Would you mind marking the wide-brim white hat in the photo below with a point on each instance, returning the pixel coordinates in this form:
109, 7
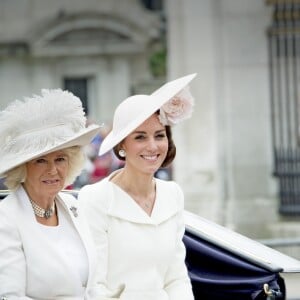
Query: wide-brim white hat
41, 125
134, 110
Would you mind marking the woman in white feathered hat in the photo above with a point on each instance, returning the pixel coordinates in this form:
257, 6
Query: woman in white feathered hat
137, 219
46, 251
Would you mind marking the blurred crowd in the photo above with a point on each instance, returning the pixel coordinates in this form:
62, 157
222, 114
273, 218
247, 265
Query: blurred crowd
97, 167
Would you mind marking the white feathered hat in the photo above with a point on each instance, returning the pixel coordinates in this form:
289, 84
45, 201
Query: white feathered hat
173, 99
40, 125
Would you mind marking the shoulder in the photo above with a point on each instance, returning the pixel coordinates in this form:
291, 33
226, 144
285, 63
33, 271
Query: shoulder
9, 203
91, 188
172, 189
96, 195
10, 210
168, 184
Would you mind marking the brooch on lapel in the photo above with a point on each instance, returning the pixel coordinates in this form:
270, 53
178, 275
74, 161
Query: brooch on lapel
73, 209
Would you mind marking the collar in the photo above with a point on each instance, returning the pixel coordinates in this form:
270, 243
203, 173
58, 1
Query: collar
168, 202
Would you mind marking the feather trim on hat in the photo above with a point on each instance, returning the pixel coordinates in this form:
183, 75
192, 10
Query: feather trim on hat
40, 122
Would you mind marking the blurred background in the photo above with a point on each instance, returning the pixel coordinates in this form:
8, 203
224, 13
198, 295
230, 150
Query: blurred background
238, 157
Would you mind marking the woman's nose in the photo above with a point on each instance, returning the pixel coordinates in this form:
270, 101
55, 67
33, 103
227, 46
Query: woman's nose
152, 144
52, 170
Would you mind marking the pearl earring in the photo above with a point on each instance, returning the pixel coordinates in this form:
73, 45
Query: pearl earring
122, 153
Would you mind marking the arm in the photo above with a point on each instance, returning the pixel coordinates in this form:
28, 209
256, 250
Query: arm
177, 282
98, 222
12, 259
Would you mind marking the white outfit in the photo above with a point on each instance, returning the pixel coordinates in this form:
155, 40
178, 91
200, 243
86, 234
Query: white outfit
43, 262
143, 255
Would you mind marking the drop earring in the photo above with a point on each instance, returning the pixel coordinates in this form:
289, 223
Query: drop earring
122, 153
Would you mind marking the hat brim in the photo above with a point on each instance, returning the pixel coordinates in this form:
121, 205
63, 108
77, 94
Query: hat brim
82, 138
158, 98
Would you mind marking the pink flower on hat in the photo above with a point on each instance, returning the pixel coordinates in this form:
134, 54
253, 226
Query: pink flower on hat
177, 109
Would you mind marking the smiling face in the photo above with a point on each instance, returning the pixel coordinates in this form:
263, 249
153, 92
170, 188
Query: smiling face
46, 175
146, 147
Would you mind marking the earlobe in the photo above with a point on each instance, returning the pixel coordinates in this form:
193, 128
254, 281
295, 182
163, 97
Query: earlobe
122, 152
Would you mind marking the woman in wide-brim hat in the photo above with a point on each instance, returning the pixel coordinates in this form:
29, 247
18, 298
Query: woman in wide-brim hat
137, 219
46, 251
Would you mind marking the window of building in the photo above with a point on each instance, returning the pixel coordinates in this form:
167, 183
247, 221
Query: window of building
155, 5
79, 87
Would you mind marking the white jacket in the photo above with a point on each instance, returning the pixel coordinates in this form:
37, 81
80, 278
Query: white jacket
142, 255
30, 265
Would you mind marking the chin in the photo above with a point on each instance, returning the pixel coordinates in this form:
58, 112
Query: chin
151, 171
54, 189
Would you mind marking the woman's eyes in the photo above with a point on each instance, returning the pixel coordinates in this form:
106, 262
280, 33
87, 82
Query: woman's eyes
58, 159
158, 136
40, 160
63, 158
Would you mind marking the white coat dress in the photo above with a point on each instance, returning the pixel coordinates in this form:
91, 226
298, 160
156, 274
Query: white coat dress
141, 256
31, 266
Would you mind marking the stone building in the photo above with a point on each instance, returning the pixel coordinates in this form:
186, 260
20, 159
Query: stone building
245, 128
97, 48
100, 49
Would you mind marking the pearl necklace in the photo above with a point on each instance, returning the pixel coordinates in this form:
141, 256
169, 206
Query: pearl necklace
43, 213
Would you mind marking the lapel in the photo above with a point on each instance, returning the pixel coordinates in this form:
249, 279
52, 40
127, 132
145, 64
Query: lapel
71, 206
27, 213
121, 205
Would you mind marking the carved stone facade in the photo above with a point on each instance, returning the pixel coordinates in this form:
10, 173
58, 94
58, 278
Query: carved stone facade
106, 43
224, 161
